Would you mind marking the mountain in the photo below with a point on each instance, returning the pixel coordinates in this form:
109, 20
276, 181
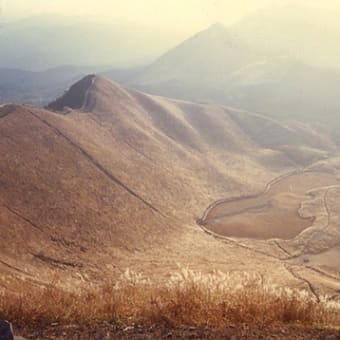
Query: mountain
281, 87
107, 178
218, 66
41, 87
37, 88
197, 67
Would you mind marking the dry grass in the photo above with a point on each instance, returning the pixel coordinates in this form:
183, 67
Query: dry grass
188, 298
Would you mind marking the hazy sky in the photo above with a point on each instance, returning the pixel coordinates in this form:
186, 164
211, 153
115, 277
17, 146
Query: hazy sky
177, 14
150, 12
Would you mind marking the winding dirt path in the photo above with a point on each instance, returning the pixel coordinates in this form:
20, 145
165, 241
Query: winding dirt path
291, 268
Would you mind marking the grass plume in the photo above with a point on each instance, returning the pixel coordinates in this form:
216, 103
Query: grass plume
187, 298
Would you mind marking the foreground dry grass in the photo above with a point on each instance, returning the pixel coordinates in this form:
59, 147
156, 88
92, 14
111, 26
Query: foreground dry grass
187, 299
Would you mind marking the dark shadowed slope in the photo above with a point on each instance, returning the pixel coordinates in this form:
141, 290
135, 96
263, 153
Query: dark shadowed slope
75, 97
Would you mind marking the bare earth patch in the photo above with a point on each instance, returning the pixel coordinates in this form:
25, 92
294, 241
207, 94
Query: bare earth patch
273, 214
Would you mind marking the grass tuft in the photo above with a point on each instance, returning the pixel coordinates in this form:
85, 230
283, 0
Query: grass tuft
188, 298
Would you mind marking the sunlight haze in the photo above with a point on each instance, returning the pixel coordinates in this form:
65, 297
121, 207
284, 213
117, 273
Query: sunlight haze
187, 15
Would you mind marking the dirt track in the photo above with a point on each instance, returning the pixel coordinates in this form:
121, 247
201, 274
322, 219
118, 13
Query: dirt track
267, 209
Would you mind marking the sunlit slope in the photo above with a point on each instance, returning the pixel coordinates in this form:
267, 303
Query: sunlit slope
107, 171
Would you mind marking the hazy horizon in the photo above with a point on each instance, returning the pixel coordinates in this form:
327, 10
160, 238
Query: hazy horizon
182, 18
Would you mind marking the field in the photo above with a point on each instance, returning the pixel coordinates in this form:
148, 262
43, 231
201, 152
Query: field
272, 214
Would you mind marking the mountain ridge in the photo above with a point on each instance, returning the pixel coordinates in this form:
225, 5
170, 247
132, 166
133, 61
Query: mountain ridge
121, 181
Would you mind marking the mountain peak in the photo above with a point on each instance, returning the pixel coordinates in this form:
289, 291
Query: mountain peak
215, 31
93, 93
75, 96
217, 26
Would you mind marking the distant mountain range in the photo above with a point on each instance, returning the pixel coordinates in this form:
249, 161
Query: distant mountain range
215, 66
231, 66
18, 86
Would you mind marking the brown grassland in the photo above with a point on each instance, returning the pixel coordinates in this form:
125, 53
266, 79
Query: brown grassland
112, 178
188, 299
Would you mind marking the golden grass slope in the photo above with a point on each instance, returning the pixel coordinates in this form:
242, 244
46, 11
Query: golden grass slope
188, 298
108, 176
